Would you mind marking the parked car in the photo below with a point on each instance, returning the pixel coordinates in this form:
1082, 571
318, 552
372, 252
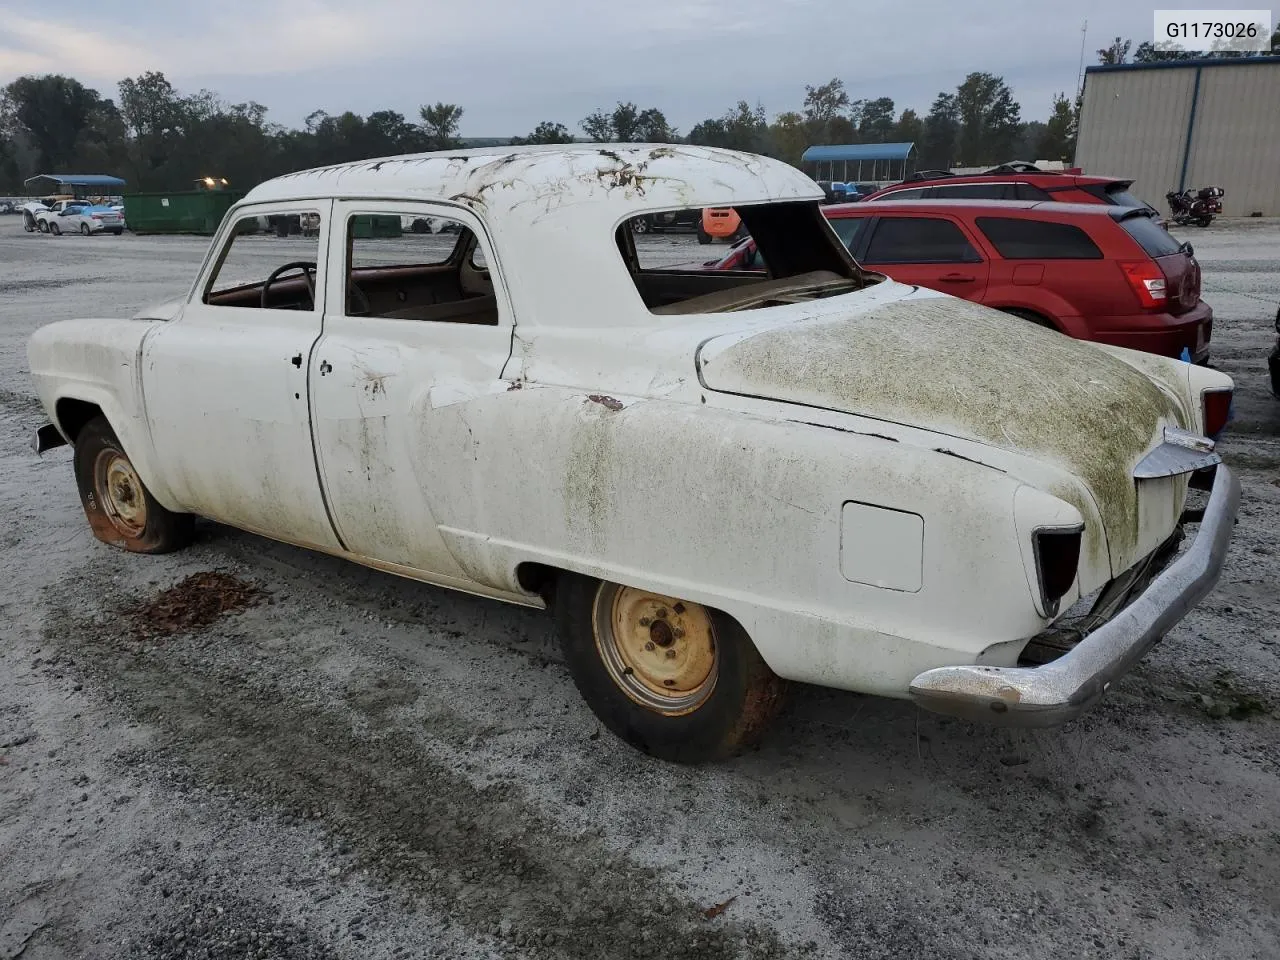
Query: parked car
1015, 181
689, 220
79, 216
1094, 272
716, 481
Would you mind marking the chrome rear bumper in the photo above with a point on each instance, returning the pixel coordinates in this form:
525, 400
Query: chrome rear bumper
1052, 694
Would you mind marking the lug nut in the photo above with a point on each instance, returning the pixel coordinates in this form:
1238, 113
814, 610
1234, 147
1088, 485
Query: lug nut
645, 621
678, 608
671, 654
668, 683
662, 613
679, 632
649, 645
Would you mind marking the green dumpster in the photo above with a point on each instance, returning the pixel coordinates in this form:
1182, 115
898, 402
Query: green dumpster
182, 211
366, 226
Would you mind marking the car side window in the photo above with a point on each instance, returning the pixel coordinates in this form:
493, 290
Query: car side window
919, 240
849, 229
972, 191
1027, 191
915, 193
406, 266
269, 261
1019, 239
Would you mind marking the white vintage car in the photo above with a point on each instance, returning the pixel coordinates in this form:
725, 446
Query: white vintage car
717, 481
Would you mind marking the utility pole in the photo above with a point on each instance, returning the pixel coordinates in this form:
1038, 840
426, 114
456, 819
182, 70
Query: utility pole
1084, 30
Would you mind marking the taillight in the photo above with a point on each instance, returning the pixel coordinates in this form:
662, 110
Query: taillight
1057, 558
96, 216
1148, 282
1216, 405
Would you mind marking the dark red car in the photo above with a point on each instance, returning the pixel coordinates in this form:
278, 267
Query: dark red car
1014, 182
1093, 271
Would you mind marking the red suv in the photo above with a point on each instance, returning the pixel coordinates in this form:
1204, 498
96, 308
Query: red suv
1015, 181
1094, 272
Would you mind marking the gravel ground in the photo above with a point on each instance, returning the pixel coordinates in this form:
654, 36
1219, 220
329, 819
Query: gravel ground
357, 766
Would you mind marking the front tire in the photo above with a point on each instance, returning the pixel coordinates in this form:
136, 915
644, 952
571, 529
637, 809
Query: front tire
676, 680
640, 225
84, 228
42, 226
28, 222
120, 509
55, 229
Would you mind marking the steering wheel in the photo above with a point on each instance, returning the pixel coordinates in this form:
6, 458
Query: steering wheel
308, 268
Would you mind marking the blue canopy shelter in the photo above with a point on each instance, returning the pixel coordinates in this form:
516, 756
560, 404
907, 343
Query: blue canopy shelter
78, 184
860, 162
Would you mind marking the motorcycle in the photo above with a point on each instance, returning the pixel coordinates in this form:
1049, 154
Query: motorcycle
1198, 208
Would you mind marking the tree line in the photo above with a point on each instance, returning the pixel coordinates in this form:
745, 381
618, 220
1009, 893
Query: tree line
158, 138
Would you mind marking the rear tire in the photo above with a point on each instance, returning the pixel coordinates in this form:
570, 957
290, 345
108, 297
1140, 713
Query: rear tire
84, 228
118, 233
55, 229
674, 679
42, 226
28, 222
640, 225
703, 236
120, 509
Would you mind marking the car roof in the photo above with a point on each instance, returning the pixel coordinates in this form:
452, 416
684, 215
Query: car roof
588, 182
990, 207
1049, 177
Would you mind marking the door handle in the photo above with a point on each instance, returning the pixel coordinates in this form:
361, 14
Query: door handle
325, 367
297, 361
957, 278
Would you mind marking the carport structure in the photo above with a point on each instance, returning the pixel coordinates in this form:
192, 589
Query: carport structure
860, 162
79, 184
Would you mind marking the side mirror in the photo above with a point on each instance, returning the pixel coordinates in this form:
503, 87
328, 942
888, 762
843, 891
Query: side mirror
1186, 248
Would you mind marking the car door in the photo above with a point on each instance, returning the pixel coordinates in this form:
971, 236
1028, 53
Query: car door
930, 250
225, 384
415, 326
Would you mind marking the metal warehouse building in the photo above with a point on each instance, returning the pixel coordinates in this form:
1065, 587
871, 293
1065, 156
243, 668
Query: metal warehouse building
1188, 123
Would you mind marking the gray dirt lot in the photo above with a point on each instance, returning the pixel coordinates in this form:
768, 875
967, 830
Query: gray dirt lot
364, 767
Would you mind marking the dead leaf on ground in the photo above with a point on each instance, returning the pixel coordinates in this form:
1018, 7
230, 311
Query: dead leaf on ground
191, 603
712, 912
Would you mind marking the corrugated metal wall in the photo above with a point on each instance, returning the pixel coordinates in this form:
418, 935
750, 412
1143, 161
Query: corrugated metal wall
1134, 123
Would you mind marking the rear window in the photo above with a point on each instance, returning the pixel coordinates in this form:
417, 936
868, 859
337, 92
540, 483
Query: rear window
1153, 238
971, 191
919, 240
1038, 240
802, 262
1027, 191
1116, 194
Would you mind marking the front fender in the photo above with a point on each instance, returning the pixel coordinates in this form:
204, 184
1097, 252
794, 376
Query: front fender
98, 362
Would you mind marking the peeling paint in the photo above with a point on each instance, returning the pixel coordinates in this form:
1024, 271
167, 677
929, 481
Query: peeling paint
608, 402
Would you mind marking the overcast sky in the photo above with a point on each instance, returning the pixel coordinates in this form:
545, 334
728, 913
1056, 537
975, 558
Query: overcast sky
512, 63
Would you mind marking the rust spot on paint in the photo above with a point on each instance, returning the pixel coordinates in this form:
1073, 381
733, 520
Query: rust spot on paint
605, 401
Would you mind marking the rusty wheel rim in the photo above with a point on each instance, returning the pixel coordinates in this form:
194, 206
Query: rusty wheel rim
660, 651
120, 491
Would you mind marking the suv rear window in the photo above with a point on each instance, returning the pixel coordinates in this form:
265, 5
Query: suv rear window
1116, 194
1038, 239
1153, 238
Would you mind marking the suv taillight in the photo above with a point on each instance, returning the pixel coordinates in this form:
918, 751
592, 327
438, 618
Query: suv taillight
1147, 280
1057, 558
1216, 405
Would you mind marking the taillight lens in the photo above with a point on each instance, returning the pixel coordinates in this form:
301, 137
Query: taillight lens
1057, 559
1147, 280
1216, 405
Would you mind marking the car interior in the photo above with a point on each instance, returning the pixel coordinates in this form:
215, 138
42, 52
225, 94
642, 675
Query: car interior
395, 277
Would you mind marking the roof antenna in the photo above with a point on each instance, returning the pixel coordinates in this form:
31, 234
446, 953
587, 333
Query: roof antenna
1084, 31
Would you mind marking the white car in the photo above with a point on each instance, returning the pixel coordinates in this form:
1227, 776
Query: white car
717, 480
79, 216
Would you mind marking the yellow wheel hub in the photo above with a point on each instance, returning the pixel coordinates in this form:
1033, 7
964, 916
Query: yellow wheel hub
660, 651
